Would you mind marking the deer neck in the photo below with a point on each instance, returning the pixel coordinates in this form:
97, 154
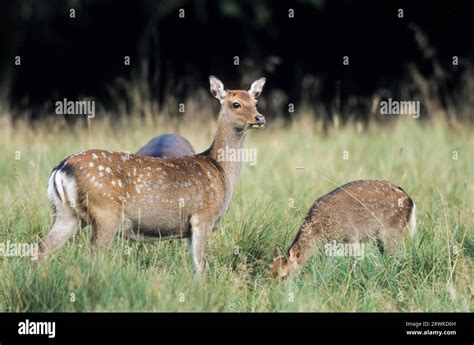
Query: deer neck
225, 149
305, 244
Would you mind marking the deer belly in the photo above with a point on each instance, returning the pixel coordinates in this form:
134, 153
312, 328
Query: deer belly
157, 227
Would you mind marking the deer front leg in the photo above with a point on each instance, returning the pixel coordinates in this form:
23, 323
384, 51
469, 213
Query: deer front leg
200, 231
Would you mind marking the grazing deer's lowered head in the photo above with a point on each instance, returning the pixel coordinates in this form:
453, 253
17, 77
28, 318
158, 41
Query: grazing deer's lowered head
281, 265
153, 198
356, 212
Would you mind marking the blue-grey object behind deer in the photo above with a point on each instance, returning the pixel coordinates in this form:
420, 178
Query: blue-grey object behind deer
167, 145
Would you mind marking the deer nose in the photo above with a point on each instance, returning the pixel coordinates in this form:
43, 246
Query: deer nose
260, 119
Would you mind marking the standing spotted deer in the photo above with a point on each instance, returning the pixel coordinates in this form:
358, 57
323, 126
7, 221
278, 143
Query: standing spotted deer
153, 198
355, 212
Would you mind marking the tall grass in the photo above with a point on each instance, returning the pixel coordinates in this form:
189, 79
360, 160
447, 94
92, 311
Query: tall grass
432, 273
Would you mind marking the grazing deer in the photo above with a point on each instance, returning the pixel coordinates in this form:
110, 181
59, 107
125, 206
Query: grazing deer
355, 212
167, 145
153, 198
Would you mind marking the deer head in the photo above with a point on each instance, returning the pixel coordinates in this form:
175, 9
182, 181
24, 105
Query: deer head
239, 107
284, 265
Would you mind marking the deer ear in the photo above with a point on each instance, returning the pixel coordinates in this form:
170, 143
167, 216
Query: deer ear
257, 87
277, 252
217, 88
295, 253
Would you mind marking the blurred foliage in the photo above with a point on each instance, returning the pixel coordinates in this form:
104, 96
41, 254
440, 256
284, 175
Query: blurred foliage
171, 57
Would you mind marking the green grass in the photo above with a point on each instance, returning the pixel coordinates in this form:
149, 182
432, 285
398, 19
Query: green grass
432, 273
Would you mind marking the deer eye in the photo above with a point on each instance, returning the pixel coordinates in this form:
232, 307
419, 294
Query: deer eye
235, 105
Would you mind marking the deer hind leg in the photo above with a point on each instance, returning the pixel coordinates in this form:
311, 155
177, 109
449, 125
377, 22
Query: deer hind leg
65, 226
63, 197
200, 231
105, 226
391, 242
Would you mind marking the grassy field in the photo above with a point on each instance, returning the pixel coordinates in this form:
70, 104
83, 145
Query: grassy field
434, 272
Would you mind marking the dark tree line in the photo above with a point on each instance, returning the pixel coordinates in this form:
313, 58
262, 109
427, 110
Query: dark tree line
301, 56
